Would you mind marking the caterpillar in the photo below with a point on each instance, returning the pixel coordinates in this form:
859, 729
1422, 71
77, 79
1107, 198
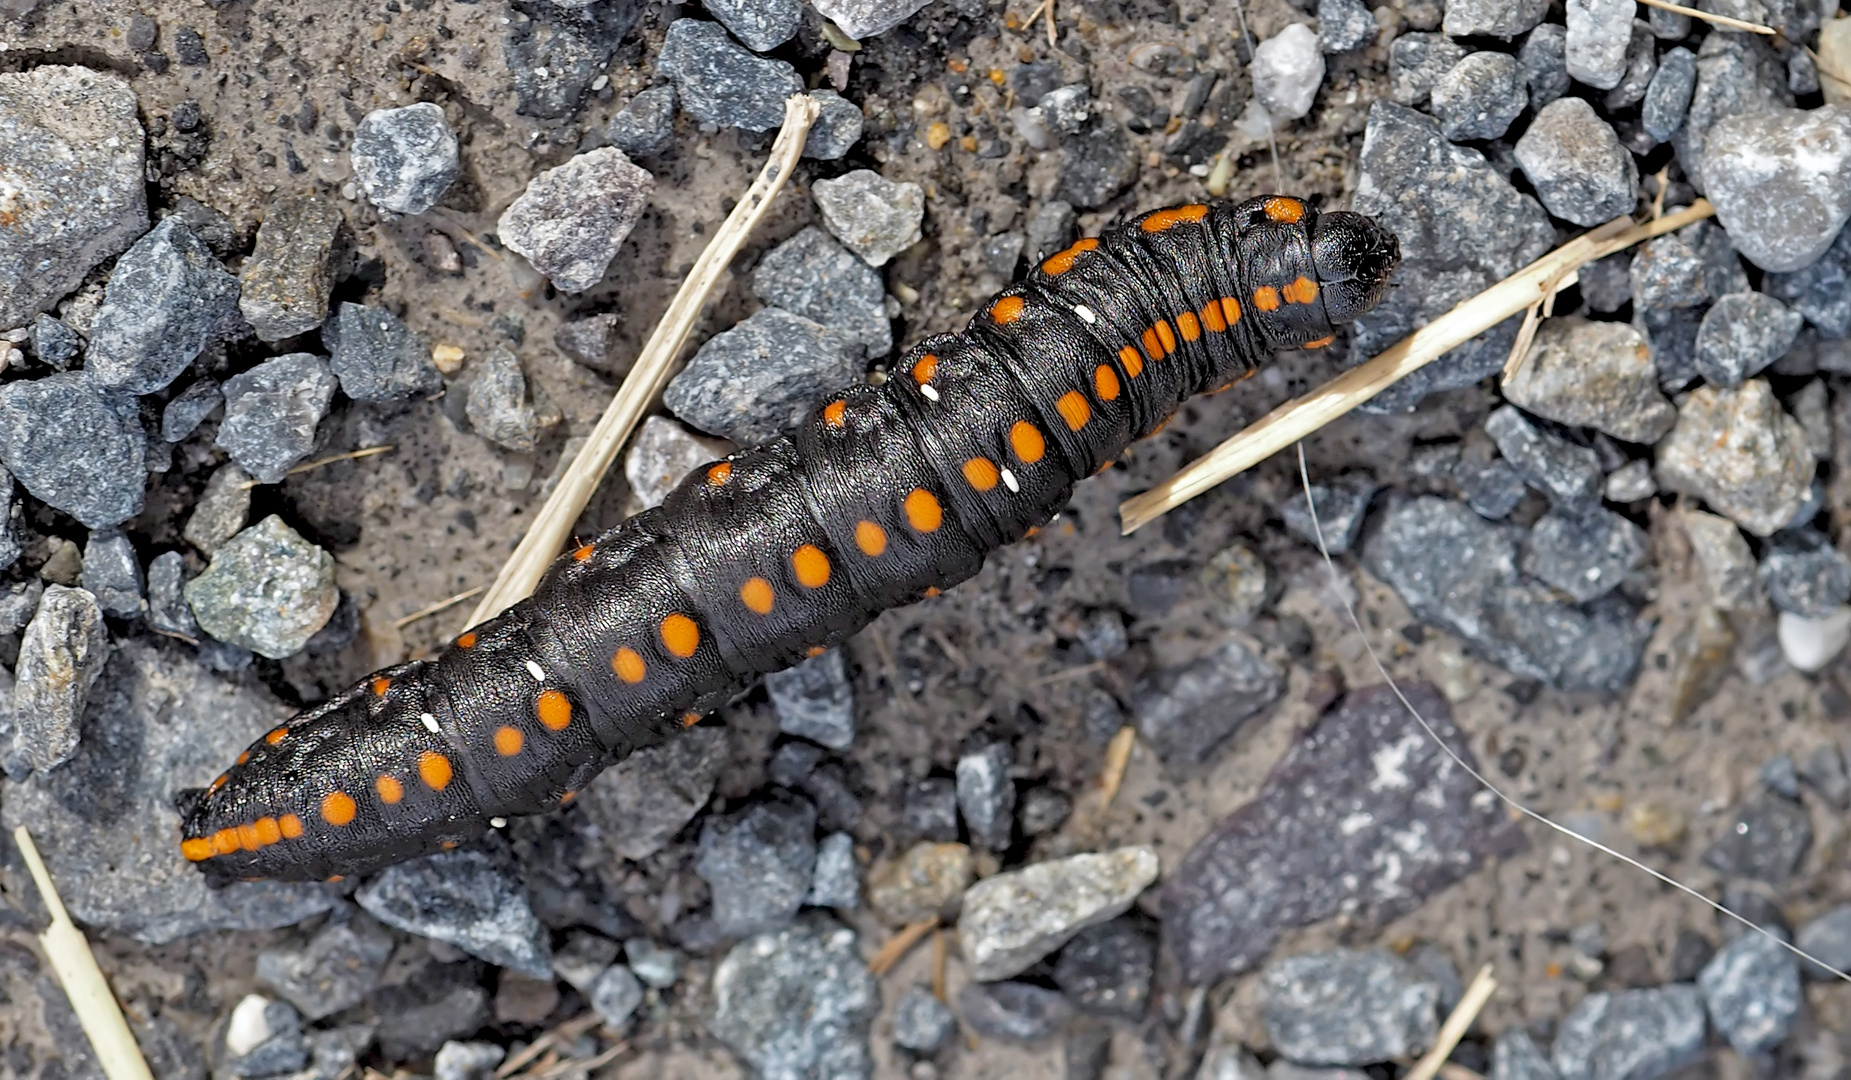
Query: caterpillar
886, 494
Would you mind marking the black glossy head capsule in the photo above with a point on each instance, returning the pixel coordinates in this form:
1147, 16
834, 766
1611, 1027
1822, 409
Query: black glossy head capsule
1355, 258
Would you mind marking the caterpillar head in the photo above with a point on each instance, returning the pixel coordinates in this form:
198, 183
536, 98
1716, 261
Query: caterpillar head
1355, 258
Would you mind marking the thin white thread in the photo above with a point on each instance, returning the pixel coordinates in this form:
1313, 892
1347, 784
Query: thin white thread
1330, 565
1272, 140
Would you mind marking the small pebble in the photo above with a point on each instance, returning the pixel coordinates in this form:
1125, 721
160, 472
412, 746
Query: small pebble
1633, 1033
1479, 96
1188, 712
930, 808
986, 794
1585, 552
590, 342
272, 411
1237, 583
1641, 65
267, 590
167, 610
285, 284
1668, 273
656, 965
332, 971
1051, 227
616, 995
112, 574
1810, 644
867, 18
1780, 776
406, 158
189, 408
1287, 70
1828, 938
797, 1002
1579, 169
167, 297
1752, 989
54, 344
1517, 1057
1347, 1007
1011, 920
837, 129
447, 358
1097, 165
661, 455
1044, 809
263, 1038
814, 276
1491, 488
925, 881
1341, 506
468, 898
1765, 840
1741, 453
376, 356
640, 803
646, 126
1806, 574
1667, 98
1107, 970
497, 406
764, 376
583, 958
1823, 769
75, 446
1598, 33
572, 220
815, 700
837, 879
1569, 474
921, 1022
719, 83
1822, 291
221, 511
1741, 334
1014, 1011
1724, 563
1593, 374
60, 656
762, 25
875, 217
1544, 61
1781, 182
19, 600
759, 863
1345, 25
466, 1061
1630, 483
1415, 63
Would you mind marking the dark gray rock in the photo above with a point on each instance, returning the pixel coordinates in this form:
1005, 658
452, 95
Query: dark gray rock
19, 600
640, 803
1479, 97
1102, 634
1641, 65
1457, 571
466, 1061
1777, 181
1283, 861
12, 510
1823, 769
762, 377
583, 958
405, 158
272, 411
921, 1022
209, 225
1828, 938
1462, 227
1586, 552
112, 574
986, 794
1544, 60
1606, 284
285, 284
157, 721
1822, 291
867, 18
1780, 776
1415, 63
1741, 334
167, 297
497, 405
437, 1003
836, 882
54, 344
719, 83
1668, 273
1015, 1011
1672, 335
189, 408
758, 863
1576, 163
1341, 504
333, 1053
75, 446
837, 129
1570, 475
930, 808
615, 996
61, 655
1107, 970
471, 898
555, 51
376, 356
267, 590
1667, 98
76, 189
1345, 25
1737, 74
572, 219
657, 965
646, 126
1492, 18
332, 971
815, 700
1348, 1007
1051, 228
814, 276
1491, 488
1637, 1033
876, 217
1806, 574
1096, 165
1765, 840
797, 1003
1517, 1057
1185, 713
590, 342
1752, 989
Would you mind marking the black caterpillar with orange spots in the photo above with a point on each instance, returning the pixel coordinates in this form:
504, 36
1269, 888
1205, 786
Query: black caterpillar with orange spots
886, 494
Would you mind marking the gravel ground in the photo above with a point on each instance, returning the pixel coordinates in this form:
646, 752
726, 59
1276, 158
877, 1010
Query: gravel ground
241, 238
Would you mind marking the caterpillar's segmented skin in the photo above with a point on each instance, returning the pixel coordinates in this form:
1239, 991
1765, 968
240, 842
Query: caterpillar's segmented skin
884, 495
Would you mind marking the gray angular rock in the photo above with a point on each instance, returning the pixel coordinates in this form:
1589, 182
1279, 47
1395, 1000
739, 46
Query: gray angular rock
189, 408
1606, 284
797, 1003
1593, 374
1015, 1011
466, 1061
1492, 18
1348, 1007
1287, 70
1668, 273
267, 590
1765, 840
874, 216
1283, 861
112, 574
19, 600
157, 721
590, 342
497, 405
1630, 482
1667, 97
272, 411
436, 1003
332, 971
930, 808
1011, 920
1741, 453
60, 657
646, 126
1827, 937
75, 446
1096, 165
838, 127
54, 344
1598, 33
264, 1038
640, 803
1641, 65
762, 377
1491, 488
76, 189
572, 219
758, 863
1051, 227
376, 356
662, 454
615, 996
867, 18
1479, 96
986, 794
167, 297
333, 1053
1345, 25
1722, 267
470, 898
815, 700
167, 610
1185, 713
814, 276
1805, 574
1341, 504
405, 158
11, 511
1822, 291
656, 965
1415, 63
1633, 1034
1736, 75
1741, 334
1585, 553
836, 881
1576, 163
921, 1022
221, 511
284, 286
556, 51
583, 958
1517, 1057
1544, 60
1569, 474
1723, 561
719, 83
1781, 182
1107, 970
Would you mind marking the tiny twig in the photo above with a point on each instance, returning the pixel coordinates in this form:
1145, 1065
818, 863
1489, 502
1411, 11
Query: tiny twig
895, 948
650, 372
75, 966
1520, 348
570, 1029
1663, 177
1455, 1026
427, 612
1302, 416
1452, 1070
1052, 42
1117, 758
941, 957
577, 1065
348, 456
1066, 674
1719, 20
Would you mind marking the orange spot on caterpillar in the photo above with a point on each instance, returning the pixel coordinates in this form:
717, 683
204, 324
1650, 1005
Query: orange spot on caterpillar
930, 592
434, 769
756, 595
244, 757
871, 539
276, 735
225, 841
291, 826
1266, 298
1211, 317
1164, 220
1007, 310
247, 837
924, 368
1230, 310
814, 651
1188, 327
1166, 335
380, 685
1283, 210
1319, 343
835, 414
811, 566
1132, 359
566, 799
981, 473
553, 709
582, 552
680, 635
1074, 409
268, 832
390, 790
628, 666
508, 741
1105, 381
467, 641
218, 782
1152, 347
337, 808
198, 849
719, 474
688, 719
1302, 290
922, 511
1062, 262
1027, 442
